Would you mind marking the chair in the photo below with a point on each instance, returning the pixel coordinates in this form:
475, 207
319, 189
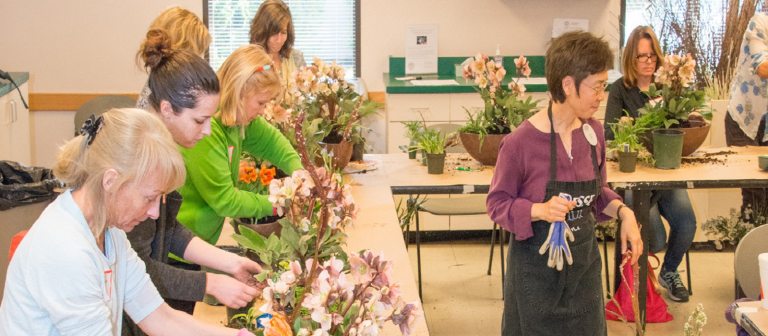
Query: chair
100, 104
745, 262
472, 205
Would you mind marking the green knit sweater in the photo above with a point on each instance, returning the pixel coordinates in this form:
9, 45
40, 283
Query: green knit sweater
210, 192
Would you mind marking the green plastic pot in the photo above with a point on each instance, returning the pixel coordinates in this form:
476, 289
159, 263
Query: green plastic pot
667, 148
435, 163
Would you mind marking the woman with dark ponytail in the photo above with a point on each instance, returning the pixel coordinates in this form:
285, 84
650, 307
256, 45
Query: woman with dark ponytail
184, 93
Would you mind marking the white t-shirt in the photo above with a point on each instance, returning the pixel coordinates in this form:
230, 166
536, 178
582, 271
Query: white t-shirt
60, 283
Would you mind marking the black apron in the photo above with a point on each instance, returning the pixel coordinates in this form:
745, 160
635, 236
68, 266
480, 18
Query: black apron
542, 301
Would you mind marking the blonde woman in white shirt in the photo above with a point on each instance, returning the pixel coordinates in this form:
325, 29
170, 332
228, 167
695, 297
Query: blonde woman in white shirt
74, 272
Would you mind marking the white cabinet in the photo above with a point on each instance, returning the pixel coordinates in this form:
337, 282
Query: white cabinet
14, 127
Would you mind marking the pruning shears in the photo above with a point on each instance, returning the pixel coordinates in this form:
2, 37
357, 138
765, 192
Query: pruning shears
557, 242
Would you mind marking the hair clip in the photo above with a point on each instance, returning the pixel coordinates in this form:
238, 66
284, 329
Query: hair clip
264, 67
91, 127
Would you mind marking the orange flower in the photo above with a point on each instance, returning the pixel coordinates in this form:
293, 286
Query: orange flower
248, 174
267, 174
278, 326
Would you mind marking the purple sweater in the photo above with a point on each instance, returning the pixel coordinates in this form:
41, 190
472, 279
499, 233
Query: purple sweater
522, 171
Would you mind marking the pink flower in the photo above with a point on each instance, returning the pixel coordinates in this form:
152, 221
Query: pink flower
522, 67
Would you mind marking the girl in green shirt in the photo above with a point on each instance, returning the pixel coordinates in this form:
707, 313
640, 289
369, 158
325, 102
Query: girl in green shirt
248, 82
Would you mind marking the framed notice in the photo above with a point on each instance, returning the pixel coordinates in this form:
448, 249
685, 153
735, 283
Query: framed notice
560, 26
421, 49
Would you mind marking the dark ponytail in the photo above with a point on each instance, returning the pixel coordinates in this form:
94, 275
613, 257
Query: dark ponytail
176, 76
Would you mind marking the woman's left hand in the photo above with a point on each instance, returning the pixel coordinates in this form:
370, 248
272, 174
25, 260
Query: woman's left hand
630, 233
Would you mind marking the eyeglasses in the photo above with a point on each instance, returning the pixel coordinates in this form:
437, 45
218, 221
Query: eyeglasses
599, 88
647, 58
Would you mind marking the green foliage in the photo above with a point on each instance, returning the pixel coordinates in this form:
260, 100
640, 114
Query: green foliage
626, 135
407, 211
672, 109
431, 141
500, 115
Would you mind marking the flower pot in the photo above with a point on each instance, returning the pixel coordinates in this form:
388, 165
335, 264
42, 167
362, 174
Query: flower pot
264, 226
423, 158
627, 162
667, 148
693, 137
485, 151
411, 150
435, 163
342, 152
358, 150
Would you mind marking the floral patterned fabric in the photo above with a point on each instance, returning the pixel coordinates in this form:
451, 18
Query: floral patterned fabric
749, 93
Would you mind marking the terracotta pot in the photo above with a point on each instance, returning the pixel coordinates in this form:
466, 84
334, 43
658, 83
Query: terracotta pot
342, 152
485, 152
693, 137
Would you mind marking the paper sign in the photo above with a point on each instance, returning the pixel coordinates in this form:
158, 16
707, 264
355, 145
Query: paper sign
421, 49
560, 26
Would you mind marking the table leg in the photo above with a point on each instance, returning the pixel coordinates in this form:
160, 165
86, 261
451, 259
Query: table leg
642, 208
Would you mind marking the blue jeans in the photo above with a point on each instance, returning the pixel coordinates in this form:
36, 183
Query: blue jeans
676, 208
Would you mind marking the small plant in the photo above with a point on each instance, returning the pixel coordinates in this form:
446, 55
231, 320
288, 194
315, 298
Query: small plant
431, 141
255, 176
626, 135
696, 322
732, 228
407, 211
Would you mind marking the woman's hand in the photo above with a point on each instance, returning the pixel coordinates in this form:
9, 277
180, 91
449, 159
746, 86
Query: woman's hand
553, 210
244, 269
630, 233
230, 292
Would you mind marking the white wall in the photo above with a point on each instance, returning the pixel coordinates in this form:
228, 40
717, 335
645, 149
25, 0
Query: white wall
467, 27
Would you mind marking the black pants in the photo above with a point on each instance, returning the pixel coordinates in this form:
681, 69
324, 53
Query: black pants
756, 198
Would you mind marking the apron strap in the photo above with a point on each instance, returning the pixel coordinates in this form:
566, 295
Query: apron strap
553, 152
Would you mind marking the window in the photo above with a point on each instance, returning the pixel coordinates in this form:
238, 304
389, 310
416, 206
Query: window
327, 29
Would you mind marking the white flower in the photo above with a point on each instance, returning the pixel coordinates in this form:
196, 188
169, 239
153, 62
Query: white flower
323, 318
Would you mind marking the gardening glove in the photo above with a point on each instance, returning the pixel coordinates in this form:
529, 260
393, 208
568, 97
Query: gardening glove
557, 243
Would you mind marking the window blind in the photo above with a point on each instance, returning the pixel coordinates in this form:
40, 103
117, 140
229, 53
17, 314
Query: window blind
326, 29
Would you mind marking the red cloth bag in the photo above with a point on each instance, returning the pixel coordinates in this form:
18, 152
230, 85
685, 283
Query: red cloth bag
656, 307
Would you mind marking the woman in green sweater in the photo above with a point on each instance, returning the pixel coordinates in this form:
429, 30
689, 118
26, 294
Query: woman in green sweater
248, 82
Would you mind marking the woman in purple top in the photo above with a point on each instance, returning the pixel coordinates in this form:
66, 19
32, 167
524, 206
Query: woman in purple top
548, 189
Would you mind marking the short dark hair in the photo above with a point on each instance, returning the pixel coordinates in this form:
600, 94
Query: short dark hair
268, 21
577, 54
176, 76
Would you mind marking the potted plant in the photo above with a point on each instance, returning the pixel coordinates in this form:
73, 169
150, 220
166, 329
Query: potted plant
310, 285
626, 143
332, 107
412, 131
677, 107
433, 143
504, 107
255, 176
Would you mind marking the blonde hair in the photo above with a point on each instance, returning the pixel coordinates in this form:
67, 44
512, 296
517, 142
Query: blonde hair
133, 142
186, 30
629, 59
243, 74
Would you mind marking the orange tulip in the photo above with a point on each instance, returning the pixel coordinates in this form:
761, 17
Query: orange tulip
267, 174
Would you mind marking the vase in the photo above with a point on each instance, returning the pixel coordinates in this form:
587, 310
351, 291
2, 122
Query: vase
627, 162
485, 151
435, 163
667, 147
342, 153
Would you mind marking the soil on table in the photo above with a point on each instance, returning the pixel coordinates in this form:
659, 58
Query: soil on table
708, 158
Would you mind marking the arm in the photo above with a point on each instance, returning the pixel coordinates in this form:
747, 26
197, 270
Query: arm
755, 41
166, 321
172, 282
265, 141
231, 292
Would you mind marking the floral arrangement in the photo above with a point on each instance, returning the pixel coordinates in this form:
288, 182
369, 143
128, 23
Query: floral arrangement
311, 286
255, 177
677, 100
504, 108
331, 103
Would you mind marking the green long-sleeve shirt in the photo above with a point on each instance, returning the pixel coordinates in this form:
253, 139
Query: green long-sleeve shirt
210, 191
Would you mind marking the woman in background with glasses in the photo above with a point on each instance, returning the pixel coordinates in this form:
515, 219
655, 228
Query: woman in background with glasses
642, 56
